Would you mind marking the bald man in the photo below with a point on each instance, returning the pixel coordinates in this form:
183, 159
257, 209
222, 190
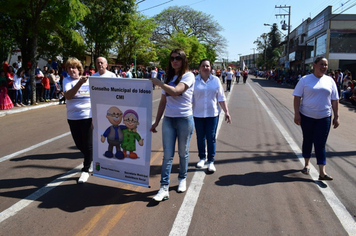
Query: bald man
101, 65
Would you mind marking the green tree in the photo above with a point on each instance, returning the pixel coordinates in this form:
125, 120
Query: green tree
269, 44
188, 22
135, 40
194, 49
262, 45
36, 18
107, 20
7, 41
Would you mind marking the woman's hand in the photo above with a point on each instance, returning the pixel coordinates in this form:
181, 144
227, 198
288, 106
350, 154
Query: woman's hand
297, 118
153, 128
336, 122
156, 81
228, 118
83, 79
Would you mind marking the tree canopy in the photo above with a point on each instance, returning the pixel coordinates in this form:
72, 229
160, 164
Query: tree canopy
135, 40
101, 28
187, 28
40, 21
269, 45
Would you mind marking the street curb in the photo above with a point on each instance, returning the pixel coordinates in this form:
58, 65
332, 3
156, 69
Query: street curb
26, 108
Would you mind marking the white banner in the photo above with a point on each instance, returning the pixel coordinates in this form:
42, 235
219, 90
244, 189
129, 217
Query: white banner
122, 118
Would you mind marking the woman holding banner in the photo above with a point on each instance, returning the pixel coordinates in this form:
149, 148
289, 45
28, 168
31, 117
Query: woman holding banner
76, 91
178, 123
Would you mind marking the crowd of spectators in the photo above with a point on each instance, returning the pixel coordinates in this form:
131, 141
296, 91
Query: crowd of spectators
17, 88
344, 81
15, 79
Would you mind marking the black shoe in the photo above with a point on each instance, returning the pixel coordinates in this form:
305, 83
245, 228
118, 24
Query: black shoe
325, 177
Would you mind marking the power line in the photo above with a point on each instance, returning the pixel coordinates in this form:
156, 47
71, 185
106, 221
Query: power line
156, 5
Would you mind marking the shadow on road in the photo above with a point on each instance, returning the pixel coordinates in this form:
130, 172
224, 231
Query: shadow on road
51, 156
260, 178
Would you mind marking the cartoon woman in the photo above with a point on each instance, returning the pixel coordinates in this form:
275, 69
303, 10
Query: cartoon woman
130, 134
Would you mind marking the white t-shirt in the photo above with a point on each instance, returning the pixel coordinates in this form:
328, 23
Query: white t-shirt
317, 95
229, 75
17, 82
78, 107
106, 74
206, 97
153, 74
237, 73
181, 105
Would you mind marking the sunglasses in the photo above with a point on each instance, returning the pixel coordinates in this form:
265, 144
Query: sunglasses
177, 58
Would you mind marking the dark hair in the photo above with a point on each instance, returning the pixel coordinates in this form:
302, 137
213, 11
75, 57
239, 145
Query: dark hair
319, 59
18, 73
206, 59
185, 67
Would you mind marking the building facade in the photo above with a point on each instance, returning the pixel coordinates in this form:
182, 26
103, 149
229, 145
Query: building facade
330, 35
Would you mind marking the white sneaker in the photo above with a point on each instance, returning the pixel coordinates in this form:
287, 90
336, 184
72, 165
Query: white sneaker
83, 177
162, 194
182, 186
91, 168
201, 163
211, 167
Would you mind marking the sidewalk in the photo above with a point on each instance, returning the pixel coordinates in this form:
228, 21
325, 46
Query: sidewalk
27, 108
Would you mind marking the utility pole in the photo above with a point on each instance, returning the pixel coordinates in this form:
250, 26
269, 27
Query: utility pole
284, 27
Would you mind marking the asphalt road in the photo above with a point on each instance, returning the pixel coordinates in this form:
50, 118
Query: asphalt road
257, 189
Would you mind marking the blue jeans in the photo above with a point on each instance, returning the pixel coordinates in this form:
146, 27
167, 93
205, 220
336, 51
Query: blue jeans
46, 94
18, 95
52, 89
206, 131
173, 128
315, 131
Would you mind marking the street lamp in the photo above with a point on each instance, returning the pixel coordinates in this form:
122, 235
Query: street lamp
265, 24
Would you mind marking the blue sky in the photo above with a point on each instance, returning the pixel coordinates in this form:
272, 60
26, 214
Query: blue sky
243, 21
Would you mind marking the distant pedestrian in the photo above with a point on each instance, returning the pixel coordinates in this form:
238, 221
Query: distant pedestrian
315, 99
223, 75
46, 87
153, 75
19, 76
229, 74
244, 76
128, 73
5, 100
238, 74
160, 74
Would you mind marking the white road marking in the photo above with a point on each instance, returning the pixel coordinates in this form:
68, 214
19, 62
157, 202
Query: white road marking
14, 209
4, 158
340, 210
184, 217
